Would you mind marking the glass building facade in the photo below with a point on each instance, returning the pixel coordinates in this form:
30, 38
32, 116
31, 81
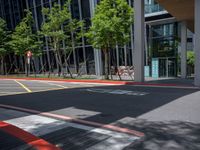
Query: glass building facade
151, 6
82, 60
164, 47
12, 11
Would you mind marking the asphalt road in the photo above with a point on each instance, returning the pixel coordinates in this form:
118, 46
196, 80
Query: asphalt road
13, 87
133, 107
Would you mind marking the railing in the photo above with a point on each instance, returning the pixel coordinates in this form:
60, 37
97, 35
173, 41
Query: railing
153, 8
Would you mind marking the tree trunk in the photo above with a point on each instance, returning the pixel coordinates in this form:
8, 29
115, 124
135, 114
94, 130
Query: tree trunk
33, 66
60, 63
17, 67
5, 72
56, 56
74, 54
2, 65
57, 63
67, 65
106, 64
21, 62
109, 64
25, 65
11, 64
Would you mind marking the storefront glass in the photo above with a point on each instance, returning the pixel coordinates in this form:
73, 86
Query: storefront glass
164, 47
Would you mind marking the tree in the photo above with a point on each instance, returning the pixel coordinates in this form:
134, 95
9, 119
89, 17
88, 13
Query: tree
23, 39
76, 32
190, 61
110, 26
51, 28
4, 38
190, 58
59, 26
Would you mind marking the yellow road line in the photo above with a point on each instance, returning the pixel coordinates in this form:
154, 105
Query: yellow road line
22, 85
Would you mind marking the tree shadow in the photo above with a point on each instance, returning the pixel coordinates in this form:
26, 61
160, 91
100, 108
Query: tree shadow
173, 135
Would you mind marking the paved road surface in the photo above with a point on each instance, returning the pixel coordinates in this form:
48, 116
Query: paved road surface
167, 116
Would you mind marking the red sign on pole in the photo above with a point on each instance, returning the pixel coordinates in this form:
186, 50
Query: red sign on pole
29, 54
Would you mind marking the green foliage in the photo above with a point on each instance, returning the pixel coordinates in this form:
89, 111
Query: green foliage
23, 38
4, 38
75, 32
111, 24
59, 26
190, 58
55, 18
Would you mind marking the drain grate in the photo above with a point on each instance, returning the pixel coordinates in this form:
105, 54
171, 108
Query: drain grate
71, 138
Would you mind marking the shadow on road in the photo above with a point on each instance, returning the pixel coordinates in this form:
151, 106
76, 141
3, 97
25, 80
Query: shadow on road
172, 135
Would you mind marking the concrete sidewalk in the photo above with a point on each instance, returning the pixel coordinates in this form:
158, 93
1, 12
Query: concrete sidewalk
174, 126
186, 108
164, 135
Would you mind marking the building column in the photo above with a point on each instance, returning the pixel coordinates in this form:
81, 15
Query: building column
138, 56
125, 55
197, 43
46, 42
97, 53
11, 14
117, 55
132, 40
83, 40
36, 59
183, 50
98, 62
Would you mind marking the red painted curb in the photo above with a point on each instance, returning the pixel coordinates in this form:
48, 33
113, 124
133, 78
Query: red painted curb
66, 118
30, 139
103, 82
71, 80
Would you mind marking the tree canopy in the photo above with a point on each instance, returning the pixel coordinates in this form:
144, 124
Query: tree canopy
23, 38
111, 24
110, 27
190, 58
54, 19
58, 27
4, 37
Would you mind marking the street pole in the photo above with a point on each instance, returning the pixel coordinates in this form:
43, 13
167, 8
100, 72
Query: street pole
28, 69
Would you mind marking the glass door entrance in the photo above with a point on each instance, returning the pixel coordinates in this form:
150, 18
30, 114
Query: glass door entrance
162, 68
167, 67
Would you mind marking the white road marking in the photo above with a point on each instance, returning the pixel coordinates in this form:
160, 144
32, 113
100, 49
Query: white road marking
75, 112
118, 92
160, 86
64, 87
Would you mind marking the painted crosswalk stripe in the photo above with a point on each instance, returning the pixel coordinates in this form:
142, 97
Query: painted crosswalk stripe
42, 126
54, 84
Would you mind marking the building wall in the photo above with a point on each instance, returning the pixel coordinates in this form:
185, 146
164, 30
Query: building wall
84, 54
12, 11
